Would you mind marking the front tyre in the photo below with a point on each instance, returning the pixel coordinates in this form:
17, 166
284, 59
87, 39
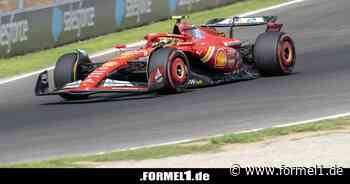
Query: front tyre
274, 53
175, 69
69, 68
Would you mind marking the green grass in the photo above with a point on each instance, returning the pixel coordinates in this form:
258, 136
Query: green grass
39, 60
141, 154
198, 146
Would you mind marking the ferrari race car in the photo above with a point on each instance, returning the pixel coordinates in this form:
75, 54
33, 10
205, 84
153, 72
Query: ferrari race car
188, 57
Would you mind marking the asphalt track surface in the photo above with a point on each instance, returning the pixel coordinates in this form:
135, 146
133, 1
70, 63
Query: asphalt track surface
34, 128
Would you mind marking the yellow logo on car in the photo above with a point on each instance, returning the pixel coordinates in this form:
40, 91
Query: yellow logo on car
220, 59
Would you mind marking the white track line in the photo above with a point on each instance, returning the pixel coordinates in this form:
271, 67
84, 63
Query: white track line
5, 81
272, 8
314, 120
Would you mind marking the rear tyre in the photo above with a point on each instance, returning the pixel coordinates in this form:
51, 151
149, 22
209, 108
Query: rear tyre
70, 68
176, 69
274, 53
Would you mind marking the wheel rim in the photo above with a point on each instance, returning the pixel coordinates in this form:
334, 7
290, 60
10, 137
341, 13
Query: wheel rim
286, 54
179, 72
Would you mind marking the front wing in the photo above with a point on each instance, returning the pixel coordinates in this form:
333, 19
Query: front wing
42, 88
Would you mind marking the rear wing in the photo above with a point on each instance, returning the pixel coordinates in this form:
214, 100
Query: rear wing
240, 21
231, 23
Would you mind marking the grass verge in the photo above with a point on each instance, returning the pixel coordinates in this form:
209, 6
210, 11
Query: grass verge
198, 146
43, 59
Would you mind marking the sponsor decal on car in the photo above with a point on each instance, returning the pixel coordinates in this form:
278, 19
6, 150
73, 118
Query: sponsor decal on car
220, 59
110, 64
209, 54
248, 20
98, 73
197, 34
195, 83
158, 77
72, 85
117, 83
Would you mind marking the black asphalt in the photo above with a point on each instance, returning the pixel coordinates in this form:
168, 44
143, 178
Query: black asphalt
34, 128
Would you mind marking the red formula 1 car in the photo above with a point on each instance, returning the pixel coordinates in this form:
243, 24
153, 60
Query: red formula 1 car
189, 57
